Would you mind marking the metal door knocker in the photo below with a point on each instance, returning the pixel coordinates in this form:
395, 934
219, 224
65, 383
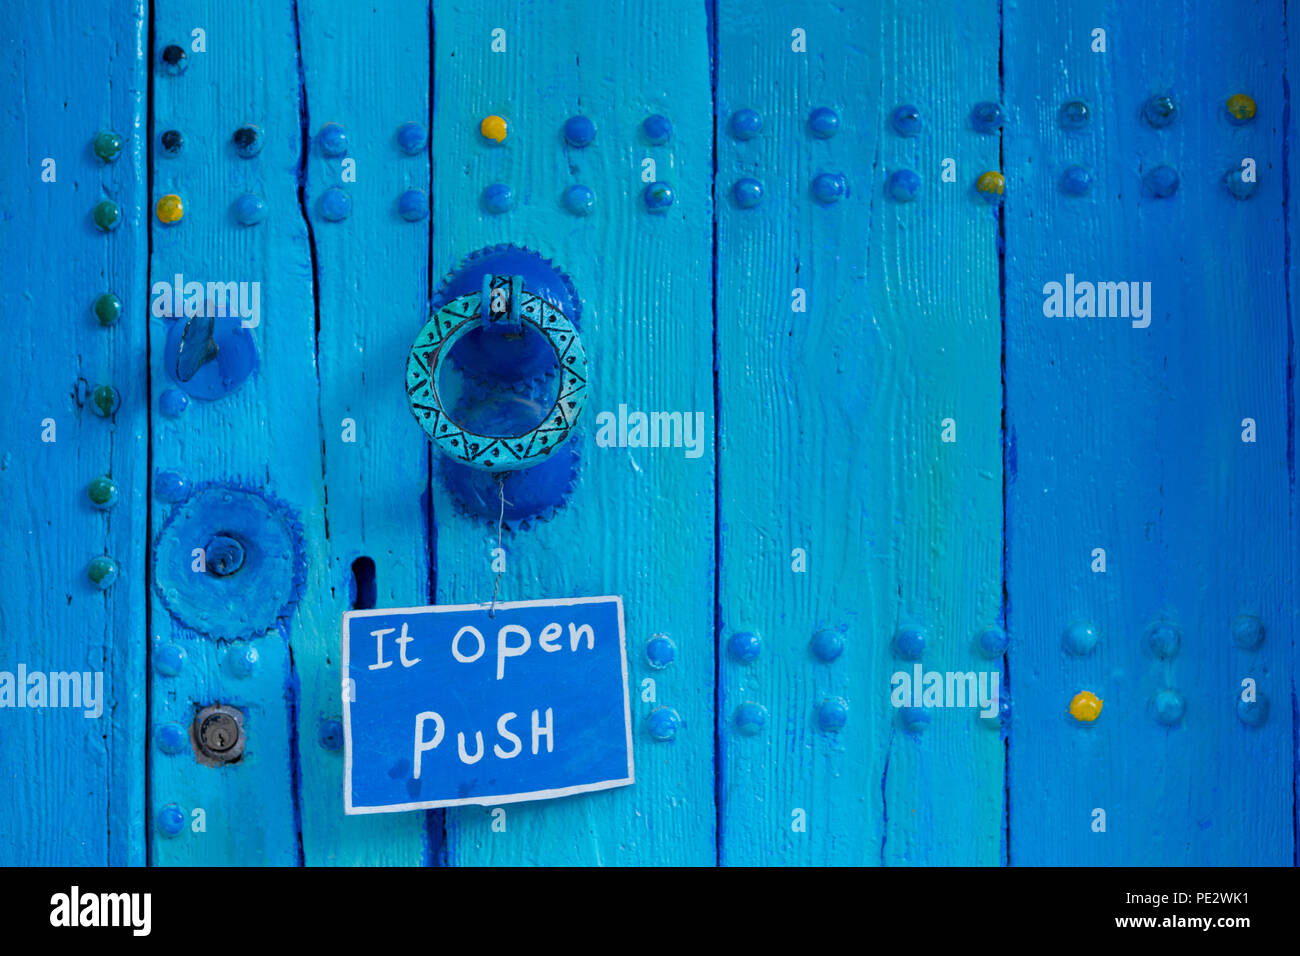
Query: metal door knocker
502, 305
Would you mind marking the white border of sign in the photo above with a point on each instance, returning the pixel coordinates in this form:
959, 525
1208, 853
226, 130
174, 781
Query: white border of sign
486, 800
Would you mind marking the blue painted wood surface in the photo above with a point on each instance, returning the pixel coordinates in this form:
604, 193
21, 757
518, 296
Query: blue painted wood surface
83, 779
826, 427
1130, 439
843, 406
639, 521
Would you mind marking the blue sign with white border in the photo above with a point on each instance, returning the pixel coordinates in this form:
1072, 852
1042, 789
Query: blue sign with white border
465, 704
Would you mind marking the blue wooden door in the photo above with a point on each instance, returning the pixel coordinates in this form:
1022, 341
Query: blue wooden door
828, 234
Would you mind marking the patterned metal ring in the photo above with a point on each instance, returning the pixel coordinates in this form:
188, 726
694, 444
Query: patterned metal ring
495, 452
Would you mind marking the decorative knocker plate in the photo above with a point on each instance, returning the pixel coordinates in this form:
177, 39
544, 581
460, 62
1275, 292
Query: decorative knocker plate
512, 309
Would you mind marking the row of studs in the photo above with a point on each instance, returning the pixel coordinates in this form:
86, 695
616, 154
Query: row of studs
1079, 639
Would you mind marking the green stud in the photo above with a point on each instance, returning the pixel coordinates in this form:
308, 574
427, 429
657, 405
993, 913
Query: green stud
105, 400
108, 216
102, 571
107, 145
103, 492
108, 309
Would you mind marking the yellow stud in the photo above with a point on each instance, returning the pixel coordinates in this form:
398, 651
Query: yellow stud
493, 127
170, 208
1241, 107
1085, 706
990, 183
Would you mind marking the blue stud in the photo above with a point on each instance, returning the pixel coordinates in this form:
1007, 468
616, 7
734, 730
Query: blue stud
827, 644
335, 204
909, 644
747, 193
751, 718
1159, 111
331, 734
745, 646
658, 197
1167, 707
579, 200
1248, 632
1253, 713
660, 651
903, 185
579, 131
412, 137
1239, 186
171, 738
168, 659
498, 198
986, 117
993, 642
745, 124
824, 122
1164, 640
171, 487
249, 209
833, 714
829, 187
1080, 638
914, 719
663, 723
172, 402
171, 821
333, 139
1161, 181
1076, 181
906, 120
658, 130
413, 205
248, 141
241, 661
1074, 115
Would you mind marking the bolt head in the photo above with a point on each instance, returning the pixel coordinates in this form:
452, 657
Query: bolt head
1248, 632
662, 723
745, 646
833, 714
751, 718
660, 651
827, 644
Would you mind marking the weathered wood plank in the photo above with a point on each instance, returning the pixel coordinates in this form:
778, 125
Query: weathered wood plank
831, 426
372, 273
1130, 439
264, 436
640, 521
74, 785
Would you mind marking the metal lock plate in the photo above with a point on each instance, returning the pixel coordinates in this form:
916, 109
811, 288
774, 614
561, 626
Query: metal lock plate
218, 733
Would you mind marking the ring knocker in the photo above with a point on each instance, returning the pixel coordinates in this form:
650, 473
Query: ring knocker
502, 305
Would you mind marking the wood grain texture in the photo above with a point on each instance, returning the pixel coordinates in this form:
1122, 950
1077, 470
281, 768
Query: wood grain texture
368, 70
831, 424
74, 786
640, 521
828, 422
264, 436
1131, 440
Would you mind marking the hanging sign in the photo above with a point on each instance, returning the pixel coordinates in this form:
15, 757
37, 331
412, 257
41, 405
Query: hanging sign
481, 704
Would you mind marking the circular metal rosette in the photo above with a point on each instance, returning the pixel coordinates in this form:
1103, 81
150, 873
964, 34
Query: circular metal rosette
229, 562
496, 453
